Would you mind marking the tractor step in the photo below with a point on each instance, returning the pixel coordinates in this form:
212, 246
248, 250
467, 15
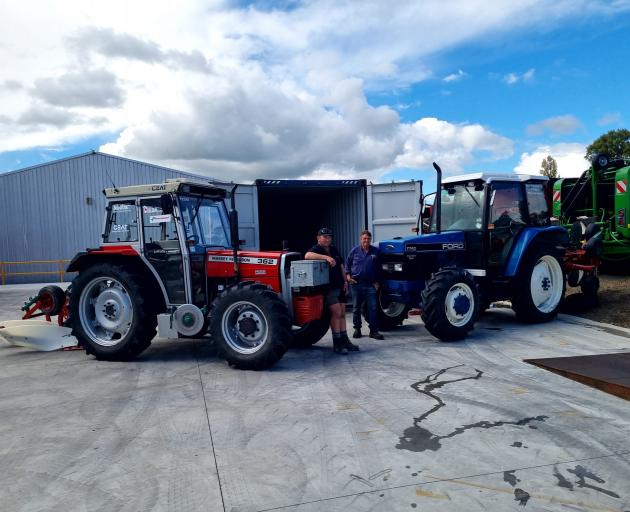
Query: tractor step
607, 372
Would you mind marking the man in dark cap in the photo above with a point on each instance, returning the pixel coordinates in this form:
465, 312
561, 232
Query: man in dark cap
337, 288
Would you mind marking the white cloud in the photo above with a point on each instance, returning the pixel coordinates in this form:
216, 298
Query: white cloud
455, 77
608, 119
453, 145
569, 156
250, 90
512, 78
560, 125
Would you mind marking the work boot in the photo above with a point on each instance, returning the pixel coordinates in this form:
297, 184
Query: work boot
349, 345
376, 335
357, 333
339, 347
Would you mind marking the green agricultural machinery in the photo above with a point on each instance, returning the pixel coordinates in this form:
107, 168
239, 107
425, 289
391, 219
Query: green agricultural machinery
597, 204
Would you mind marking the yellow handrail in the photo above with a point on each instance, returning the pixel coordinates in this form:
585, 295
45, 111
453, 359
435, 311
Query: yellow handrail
4, 273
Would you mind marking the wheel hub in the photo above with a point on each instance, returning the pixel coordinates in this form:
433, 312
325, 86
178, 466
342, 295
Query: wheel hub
546, 283
459, 304
244, 327
247, 326
106, 311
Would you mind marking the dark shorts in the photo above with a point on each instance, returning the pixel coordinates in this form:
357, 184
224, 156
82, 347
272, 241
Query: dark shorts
334, 296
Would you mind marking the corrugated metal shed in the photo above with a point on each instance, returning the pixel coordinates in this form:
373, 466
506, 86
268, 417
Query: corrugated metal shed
51, 211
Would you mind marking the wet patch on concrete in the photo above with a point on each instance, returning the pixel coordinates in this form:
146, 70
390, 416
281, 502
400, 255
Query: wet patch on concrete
419, 439
510, 477
562, 481
582, 474
521, 496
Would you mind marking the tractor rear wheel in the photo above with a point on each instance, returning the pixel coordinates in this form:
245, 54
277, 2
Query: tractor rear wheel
390, 314
540, 284
450, 304
312, 332
250, 326
109, 314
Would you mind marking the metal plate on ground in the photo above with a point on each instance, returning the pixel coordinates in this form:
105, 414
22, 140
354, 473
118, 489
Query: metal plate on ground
607, 372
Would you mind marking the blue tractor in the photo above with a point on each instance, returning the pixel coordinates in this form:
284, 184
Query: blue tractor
489, 237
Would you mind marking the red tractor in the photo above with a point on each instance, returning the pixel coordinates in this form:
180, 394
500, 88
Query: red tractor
170, 260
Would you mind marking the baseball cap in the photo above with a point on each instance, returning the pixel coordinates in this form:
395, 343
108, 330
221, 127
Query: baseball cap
324, 232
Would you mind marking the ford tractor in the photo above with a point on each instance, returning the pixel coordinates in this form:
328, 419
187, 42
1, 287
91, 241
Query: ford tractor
489, 238
170, 262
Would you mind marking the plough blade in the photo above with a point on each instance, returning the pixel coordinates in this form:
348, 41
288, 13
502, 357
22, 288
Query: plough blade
37, 335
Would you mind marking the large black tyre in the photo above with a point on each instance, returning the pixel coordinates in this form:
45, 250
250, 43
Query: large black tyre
540, 283
52, 299
250, 326
312, 332
390, 314
450, 304
590, 286
110, 315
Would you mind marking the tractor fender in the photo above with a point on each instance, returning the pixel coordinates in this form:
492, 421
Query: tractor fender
556, 236
126, 258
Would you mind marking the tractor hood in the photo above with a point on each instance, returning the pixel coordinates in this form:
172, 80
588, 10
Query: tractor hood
445, 241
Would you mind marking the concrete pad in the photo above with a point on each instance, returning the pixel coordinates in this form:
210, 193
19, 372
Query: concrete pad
407, 423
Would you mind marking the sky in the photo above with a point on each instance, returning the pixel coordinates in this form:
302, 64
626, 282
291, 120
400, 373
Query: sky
288, 89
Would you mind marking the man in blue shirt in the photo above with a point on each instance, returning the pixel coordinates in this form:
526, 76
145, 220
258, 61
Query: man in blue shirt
363, 275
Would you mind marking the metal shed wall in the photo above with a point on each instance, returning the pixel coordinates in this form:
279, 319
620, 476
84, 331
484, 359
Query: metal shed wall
51, 211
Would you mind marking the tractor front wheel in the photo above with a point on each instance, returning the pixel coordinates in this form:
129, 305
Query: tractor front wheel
109, 314
250, 326
312, 332
540, 285
450, 304
390, 314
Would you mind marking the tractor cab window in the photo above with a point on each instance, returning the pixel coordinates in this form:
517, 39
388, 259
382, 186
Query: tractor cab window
537, 204
122, 222
158, 226
506, 204
506, 219
462, 207
204, 221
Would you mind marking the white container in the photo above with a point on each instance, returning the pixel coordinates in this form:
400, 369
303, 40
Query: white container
309, 273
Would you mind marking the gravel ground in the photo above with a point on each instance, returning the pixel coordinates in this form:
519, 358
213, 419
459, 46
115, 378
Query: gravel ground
613, 299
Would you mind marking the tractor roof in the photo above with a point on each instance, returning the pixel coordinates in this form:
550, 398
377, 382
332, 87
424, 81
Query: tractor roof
176, 185
494, 176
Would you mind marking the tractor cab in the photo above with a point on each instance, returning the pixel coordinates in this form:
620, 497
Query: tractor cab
490, 210
172, 225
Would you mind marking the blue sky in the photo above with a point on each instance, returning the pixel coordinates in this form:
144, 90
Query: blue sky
321, 89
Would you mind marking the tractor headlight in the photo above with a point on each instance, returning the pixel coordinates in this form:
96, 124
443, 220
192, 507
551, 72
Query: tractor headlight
393, 267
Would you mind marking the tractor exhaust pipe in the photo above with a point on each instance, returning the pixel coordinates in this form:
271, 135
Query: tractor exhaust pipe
438, 199
234, 229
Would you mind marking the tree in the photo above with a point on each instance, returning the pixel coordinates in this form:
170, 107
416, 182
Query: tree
615, 143
549, 167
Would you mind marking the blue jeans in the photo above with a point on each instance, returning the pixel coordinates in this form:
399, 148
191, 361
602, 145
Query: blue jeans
360, 293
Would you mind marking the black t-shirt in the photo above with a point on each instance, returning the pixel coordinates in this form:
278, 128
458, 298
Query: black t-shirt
335, 277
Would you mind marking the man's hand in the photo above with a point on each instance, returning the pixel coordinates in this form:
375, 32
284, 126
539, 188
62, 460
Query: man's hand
350, 279
331, 261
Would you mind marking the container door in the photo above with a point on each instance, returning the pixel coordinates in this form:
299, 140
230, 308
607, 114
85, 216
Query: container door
247, 206
393, 209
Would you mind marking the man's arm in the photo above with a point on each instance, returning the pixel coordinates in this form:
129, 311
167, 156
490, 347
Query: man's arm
316, 256
348, 267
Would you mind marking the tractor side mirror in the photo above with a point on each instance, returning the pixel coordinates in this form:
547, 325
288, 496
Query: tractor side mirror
234, 228
166, 203
426, 212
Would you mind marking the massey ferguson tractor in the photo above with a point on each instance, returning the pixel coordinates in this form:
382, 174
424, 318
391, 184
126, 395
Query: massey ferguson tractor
170, 260
490, 238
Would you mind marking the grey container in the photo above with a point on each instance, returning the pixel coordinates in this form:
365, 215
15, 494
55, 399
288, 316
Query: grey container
309, 273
